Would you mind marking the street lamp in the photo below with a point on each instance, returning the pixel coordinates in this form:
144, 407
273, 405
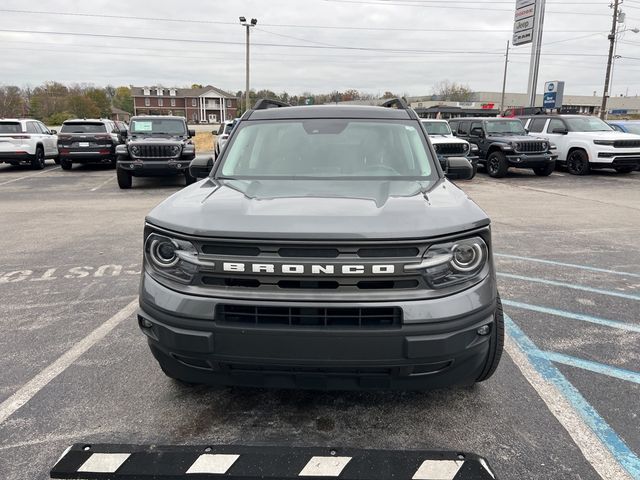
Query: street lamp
248, 25
615, 50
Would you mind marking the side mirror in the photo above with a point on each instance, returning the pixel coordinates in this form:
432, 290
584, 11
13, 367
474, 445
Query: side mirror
215, 132
124, 133
54, 132
477, 132
560, 131
459, 168
455, 134
200, 167
192, 133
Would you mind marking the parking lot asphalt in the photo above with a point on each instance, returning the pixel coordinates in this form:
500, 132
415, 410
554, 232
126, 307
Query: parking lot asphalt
74, 367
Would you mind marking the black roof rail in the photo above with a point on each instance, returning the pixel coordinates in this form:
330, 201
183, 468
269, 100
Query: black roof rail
265, 103
399, 103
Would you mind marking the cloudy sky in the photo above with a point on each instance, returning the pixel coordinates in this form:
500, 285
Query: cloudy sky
405, 46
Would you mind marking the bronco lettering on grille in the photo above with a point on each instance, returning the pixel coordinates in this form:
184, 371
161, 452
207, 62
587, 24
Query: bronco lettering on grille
308, 269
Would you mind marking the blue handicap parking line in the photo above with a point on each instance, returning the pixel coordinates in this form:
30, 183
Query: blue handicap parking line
609, 438
574, 316
570, 265
621, 373
573, 286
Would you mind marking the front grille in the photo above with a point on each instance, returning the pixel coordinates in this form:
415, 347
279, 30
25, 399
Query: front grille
626, 143
156, 151
627, 162
319, 317
451, 148
529, 147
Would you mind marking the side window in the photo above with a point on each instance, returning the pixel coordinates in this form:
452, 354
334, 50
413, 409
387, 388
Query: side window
453, 126
536, 125
44, 129
32, 127
475, 125
616, 128
555, 123
463, 129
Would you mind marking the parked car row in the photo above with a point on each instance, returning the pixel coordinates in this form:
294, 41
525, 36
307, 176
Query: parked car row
24, 141
540, 142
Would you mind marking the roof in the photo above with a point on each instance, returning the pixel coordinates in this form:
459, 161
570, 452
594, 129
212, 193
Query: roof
14, 119
119, 111
623, 122
92, 120
330, 111
181, 92
481, 119
151, 117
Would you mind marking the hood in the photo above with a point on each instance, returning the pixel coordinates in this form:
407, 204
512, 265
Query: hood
446, 139
513, 138
309, 209
608, 135
155, 138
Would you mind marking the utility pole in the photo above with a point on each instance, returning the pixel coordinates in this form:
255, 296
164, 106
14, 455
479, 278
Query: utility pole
612, 46
504, 80
536, 47
248, 25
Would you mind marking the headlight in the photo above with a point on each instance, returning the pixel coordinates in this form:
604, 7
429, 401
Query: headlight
545, 146
135, 150
163, 255
436, 147
175, 149
515, 145
453, 263
610, 143
465, 147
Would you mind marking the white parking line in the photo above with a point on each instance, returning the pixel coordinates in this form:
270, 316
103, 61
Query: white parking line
29, 176
37, 383
102, 184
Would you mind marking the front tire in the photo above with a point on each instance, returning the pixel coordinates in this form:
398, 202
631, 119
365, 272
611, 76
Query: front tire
496, 346
66, 164
124, 179
497, 165
38, 161
546, 170
578, 163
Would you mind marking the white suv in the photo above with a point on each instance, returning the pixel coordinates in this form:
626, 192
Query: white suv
447, 145
223, 135
27, 141
584, 143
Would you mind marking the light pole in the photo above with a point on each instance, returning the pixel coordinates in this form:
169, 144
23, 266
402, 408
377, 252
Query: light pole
615, 50
247, 25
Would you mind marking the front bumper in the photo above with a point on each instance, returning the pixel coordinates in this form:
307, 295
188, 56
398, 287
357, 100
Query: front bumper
144, 167
436, 346
524, 160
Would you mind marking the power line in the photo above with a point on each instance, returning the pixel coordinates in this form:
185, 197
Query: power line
280, 45
275, 25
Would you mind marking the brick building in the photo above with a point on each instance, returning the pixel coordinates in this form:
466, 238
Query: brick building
198, 105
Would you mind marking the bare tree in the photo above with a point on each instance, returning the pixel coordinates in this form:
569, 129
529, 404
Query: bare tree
452, 91
12, 103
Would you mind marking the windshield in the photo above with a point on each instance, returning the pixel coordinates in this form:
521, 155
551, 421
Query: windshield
632, 127
587, 124
327, 148
159, 126
10, 127
83, 128
437, 128
511, 127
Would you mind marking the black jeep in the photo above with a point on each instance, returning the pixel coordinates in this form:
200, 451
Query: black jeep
155, 146
504, 143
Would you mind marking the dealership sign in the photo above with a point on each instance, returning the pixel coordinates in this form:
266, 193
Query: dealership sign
524, 21
553, 94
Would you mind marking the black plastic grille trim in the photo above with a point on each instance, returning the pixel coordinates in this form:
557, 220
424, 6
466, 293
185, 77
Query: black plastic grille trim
626, 143
322, 317
450, 148
155, 151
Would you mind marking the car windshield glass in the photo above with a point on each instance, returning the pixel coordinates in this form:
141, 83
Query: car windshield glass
587, 124
158, 126
511, 127
10, 127
327, 148
83, 128
633, 128
437, 128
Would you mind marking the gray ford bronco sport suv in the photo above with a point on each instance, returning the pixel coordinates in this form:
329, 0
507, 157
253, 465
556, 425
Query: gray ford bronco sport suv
155, 146
325, 249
